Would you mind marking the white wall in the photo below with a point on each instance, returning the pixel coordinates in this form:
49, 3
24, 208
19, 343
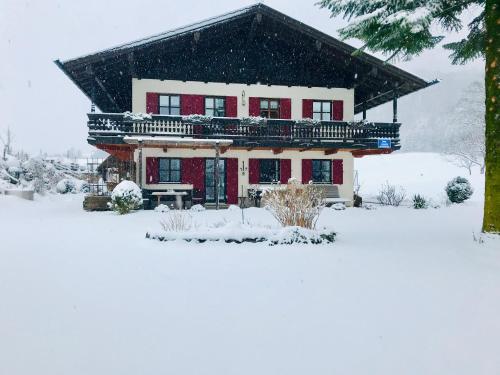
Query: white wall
345, 190
141, 86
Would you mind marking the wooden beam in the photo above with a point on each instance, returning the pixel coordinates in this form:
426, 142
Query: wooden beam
277, 151
331, 151
224, 149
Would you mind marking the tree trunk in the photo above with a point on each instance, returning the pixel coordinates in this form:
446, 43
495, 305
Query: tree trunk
491, 219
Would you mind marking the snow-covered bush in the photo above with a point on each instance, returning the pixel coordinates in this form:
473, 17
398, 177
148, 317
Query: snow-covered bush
83, 186
308, 122
177, 221
66, 186
419, 202
162, 208
390, 195
459, 190
126, 196
295, 204
197, 208
233, 207
138, 116
253, 120
338, 206
197, 119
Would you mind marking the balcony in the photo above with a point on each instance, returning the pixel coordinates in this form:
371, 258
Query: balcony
110, 128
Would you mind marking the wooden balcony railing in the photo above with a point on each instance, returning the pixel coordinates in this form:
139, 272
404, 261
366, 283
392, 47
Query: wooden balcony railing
263, 132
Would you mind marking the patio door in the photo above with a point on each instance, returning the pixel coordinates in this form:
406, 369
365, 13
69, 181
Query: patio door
210, 180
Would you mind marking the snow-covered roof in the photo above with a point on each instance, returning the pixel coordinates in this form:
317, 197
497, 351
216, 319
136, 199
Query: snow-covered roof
230, 48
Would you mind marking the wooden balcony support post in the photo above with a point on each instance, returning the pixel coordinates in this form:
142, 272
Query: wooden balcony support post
216, 171
364, 110
395, 106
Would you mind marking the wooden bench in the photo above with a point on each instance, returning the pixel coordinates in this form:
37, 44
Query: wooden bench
332, 195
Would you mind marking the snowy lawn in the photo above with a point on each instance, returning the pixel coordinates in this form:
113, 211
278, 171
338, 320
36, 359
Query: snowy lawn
401, 291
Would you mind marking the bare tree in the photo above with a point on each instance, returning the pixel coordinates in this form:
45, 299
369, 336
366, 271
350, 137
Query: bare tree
7, 139
467, 142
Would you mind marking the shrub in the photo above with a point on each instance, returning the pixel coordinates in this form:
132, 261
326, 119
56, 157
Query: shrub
126, 196
295, 204
458, 190
390, 195
419, 202
66, 186
177, 221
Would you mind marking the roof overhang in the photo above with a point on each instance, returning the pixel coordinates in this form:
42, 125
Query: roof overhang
256, 44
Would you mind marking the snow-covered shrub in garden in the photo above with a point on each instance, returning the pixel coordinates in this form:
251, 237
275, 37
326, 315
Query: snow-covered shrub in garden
419, 202
66, 186
177, 221
233, 207
338, 206
390, 195
459, 190
295, 204
197, 208
126, 196
162, 208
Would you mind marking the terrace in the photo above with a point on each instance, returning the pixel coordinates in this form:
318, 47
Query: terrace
111, 128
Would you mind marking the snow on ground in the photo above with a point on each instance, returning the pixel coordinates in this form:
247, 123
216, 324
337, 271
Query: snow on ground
401, 291
418, 173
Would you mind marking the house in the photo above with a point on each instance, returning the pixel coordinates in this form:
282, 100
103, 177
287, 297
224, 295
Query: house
224, 107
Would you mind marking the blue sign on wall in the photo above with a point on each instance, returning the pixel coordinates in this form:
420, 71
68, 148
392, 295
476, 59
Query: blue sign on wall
384, 143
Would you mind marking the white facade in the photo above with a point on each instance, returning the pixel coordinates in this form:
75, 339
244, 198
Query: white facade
296, 93
140, 87
345, 190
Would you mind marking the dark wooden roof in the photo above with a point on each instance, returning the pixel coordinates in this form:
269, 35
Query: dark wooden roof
249, 45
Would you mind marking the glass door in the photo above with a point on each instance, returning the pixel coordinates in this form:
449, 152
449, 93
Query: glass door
210, 180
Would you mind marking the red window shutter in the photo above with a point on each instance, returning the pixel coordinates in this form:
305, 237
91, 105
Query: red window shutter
192, 105
232, 180
254, 106
338, 171
285, 170
186, 170
253, 171
338, 110
231, 106
152, 171
307, 166
152, 102
198, 177
307, 108
286, 108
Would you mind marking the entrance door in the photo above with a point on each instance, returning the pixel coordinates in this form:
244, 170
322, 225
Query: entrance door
210, 180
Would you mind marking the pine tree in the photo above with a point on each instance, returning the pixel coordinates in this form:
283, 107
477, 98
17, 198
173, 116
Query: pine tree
402, 29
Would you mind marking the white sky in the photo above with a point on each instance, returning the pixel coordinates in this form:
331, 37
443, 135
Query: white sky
46, 111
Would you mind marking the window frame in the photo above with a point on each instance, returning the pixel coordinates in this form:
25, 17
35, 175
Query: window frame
213, 99
322, 111
269, 110
322, 161
277, 171
169, 171
169, 105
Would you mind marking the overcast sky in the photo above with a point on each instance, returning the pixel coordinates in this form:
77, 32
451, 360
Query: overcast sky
46, 111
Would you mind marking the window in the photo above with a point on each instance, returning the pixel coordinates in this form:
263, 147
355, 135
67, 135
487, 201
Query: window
322, 110
322, 171
270, 108
215, 107
170, 170
269, 171
170, 105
